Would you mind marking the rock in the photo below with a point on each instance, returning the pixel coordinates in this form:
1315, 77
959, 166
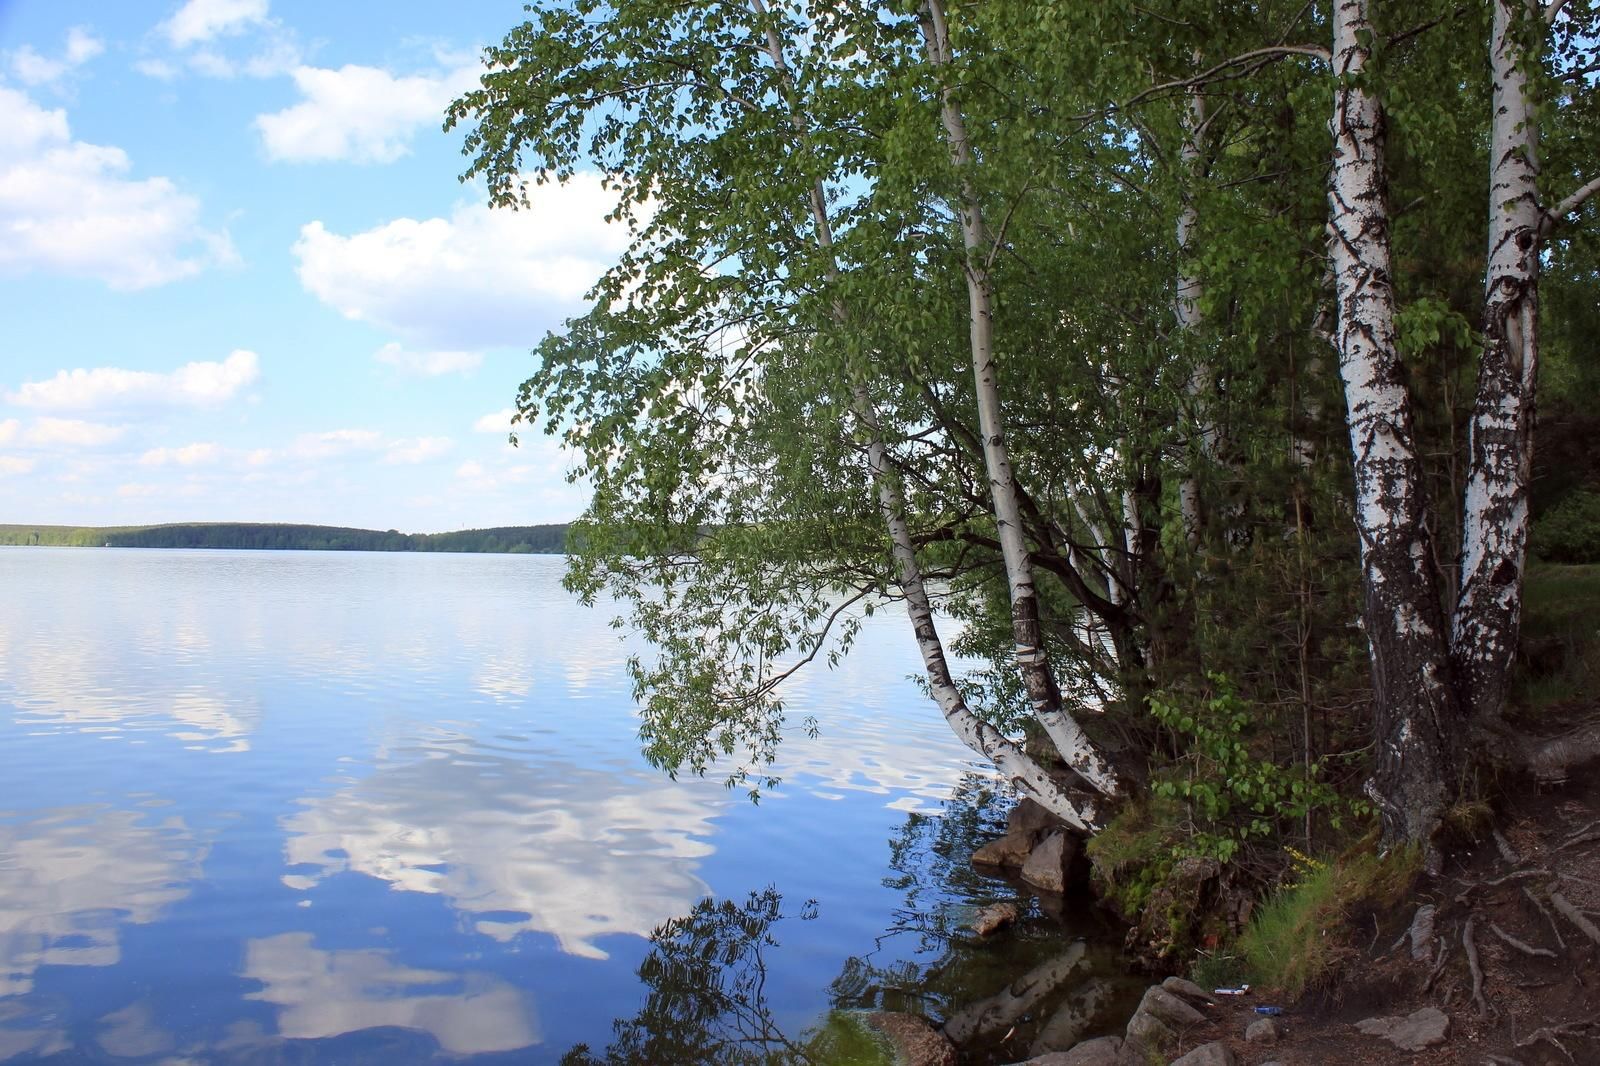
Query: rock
1102, 1051
1420, 1029
1422, 933
1188, 990
1148, 1029
994, 917
916, 1042
1029, 819
1047, 864
1169, 1008
1263, 1031
1010, 851
1215, 1053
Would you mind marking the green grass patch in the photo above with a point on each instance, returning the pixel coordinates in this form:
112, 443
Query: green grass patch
1302, 934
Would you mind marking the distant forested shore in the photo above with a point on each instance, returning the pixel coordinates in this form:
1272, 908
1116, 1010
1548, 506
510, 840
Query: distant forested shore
276, 536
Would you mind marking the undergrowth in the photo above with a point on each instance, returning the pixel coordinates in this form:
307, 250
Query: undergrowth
1302, 933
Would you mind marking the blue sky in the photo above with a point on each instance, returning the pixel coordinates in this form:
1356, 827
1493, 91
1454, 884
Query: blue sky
240, 281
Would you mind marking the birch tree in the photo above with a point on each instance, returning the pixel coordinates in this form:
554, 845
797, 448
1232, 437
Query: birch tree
1417, 718
1487, 617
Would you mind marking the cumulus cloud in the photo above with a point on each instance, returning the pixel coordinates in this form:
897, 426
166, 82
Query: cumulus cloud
189, 455
358, 114
203, 20
495, 421
11, 464
71, 433
476, 279
9, 430
427, 364
68, 207
31, 68
199, 384
418, 450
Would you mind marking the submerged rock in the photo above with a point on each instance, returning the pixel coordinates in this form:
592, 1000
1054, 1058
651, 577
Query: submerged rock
994, 917
916, 1041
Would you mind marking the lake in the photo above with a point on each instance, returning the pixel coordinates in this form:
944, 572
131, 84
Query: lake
348, 807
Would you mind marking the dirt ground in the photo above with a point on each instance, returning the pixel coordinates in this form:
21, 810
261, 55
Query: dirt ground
1535, 880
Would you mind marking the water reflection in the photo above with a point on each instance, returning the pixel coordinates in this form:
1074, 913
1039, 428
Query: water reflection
328, 993
533, 845
68, 685
706, 978
72, 877
1044, 986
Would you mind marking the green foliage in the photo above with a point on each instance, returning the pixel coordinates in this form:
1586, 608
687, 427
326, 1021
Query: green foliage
1570, 531
1232, 795
1560, 636
1299, 937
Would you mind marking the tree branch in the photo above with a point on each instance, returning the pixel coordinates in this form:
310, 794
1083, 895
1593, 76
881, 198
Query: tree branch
1559, 214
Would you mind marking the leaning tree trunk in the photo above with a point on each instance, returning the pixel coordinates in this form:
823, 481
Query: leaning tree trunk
1417, 724
1494, 526
1024, 773
1033, 661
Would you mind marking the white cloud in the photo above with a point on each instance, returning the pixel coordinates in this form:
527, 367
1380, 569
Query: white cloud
333, 442
188, 455
471, 470
205, 20
8, 430
476, 279
358, 114
427, 364
199, 384
67, 207
159, 69
71, 433
419, 450
495, 421
31, 68
11, 464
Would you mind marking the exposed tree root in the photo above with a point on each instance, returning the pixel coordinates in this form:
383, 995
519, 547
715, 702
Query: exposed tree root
1470, 945
1575, 916
1542, 909
1526, 949
1550, 760
1551, 1034
1507, 852
1438, 963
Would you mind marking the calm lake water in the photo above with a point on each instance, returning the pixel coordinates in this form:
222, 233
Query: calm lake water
349, 807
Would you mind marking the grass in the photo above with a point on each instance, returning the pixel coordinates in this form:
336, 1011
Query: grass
1300, 936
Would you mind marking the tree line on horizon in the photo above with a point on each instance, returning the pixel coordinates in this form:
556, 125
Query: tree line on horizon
275, 536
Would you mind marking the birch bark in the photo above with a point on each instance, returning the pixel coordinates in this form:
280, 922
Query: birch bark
1008, 757
1190, 290
1488, 610
1416, 713
1032, 660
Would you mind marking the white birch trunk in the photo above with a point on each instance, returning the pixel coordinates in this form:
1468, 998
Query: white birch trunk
1025, 774
1190, 290
1416, 715
1075, 747
1488, 613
